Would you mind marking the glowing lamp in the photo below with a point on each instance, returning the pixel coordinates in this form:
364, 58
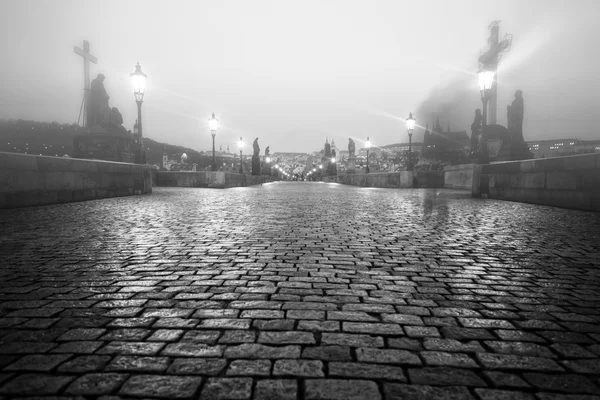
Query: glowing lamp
241, 144
213, 123
486, 80
368, 143
410, 123
138, 79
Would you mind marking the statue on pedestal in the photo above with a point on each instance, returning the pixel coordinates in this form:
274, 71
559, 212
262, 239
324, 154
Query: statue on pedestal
476, 130
514, 114
351, 147
98, 109
497, 143
256, 158
105, 138
350, 166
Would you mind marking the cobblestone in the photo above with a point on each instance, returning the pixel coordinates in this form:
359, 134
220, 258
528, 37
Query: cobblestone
299, 291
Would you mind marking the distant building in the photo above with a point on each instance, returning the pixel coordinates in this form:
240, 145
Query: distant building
166, 163
289, 161
444, 146
562, 147
393, 149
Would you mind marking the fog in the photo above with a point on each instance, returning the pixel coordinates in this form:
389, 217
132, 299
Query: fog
295, 72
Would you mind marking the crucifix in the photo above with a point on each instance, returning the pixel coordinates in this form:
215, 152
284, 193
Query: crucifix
490, 59
87, 57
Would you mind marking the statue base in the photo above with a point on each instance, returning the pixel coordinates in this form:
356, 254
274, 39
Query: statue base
351, 164
500, 144
109, 144
255, 165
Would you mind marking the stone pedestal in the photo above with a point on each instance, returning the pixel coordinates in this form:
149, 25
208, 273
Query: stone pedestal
255, 165
107, 144
500, 144
351, 164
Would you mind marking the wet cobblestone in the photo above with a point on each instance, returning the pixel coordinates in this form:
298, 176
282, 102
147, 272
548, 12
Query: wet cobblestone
300, 291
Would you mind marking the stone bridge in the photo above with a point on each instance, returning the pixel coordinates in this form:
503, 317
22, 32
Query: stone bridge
298, 290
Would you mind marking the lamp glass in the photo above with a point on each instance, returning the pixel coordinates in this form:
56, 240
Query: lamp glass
213, 123
241, 143
138, 79
410, 123
486, 79
368, 143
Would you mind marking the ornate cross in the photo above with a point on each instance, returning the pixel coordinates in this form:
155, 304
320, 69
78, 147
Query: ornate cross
87, 57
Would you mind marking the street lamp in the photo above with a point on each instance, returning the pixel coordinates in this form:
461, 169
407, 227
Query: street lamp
241, 146
138, 79
410, 127
486, 80
368, 145
213, 123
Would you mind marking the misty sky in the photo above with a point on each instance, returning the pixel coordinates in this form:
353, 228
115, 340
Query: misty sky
295, 72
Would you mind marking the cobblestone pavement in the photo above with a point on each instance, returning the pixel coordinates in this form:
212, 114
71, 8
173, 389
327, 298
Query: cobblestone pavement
300, 291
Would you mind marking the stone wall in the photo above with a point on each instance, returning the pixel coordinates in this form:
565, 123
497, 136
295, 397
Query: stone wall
28, 180
429, 179
393, 180
209, 179
459, 176
569, 182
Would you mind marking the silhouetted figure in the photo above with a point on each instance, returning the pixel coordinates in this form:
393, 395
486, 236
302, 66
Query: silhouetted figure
255, 146
256, 158
476, 130
98, 109
351, 147
514, 115
115, 117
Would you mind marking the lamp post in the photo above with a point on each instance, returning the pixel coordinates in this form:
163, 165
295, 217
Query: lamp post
334, 167
136, 135
486, 80
213, 123
268, 162
138, 79
410, 126
241, 146
368, 145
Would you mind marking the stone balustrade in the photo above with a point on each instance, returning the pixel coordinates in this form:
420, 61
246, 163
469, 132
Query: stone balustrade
29, 180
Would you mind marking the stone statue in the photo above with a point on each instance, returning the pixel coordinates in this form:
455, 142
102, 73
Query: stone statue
476, 130
256, 158
327, 150
255, 146
98, 109
267, 152
514, 114
115, 117
351, 147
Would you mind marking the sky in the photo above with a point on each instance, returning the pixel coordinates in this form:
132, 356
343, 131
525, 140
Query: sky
294, 73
